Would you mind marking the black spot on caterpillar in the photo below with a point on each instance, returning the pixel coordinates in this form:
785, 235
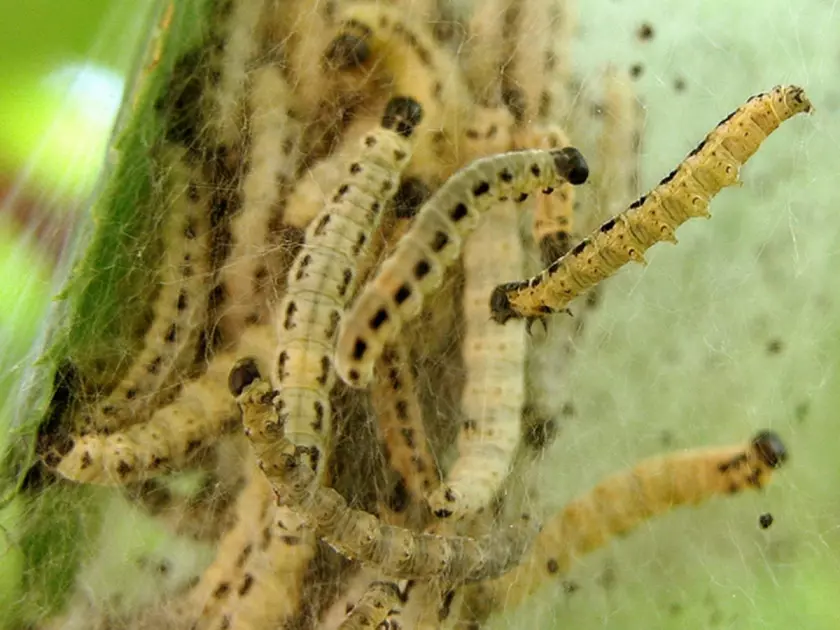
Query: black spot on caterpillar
323, 276
416, 268
681, 195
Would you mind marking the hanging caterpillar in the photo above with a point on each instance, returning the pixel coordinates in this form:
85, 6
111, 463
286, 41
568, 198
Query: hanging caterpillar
625, 499
324, 274
416, 268
494, 360
684, 193
174, 434
397, 552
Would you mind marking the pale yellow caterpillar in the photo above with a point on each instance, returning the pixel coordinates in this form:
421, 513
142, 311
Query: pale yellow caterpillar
526, 74
256, 579
486, 49
494, 360
174, 434
416, 268
227, 89
397, 552
372, 36
273, 158
684, 193
624, 500
324, 274
170, 342
399, 419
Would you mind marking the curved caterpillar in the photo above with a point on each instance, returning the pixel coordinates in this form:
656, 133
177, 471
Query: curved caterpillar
172, 437
324, 274
180, 307
681, 195
494, 360
416, 268
625, 499
397, 552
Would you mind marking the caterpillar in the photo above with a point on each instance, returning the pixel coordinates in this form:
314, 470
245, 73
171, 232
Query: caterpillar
227, 85
273, 158
170, 342
399, 553
684, 193
324, 275
625, 499
416, 267
374, 36
494, 360
172, 437
399, 420
256, 578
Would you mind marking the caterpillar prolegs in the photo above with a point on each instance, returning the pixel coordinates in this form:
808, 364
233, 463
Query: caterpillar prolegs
684, 193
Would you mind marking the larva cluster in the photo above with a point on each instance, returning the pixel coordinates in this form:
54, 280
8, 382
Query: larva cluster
324, 275
170, 342
624, 500
416, 268
684, 193
398, 552
494, 360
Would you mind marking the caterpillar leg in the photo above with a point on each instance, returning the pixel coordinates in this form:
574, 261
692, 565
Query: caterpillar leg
684, 193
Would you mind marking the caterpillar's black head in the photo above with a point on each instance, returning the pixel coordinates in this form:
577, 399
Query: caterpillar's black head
571, 165
402, 114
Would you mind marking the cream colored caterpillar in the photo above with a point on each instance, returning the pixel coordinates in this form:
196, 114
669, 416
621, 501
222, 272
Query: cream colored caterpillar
494, 360
173, 435
416, 268
624, 500
180, 308
399, 419
397, 552
273, 154
323, 277
681, 195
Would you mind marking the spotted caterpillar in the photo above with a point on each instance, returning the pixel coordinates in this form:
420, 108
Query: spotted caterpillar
685, 193
397, 552
416, 268
323, 277
624, 500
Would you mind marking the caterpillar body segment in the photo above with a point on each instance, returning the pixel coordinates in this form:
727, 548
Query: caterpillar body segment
624, 500
415, 269
399, 418
553, 214
323, 276
397, 552
180, 308
380, 601
373, 37
494, 361
273, 156
684, 193
173, 436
